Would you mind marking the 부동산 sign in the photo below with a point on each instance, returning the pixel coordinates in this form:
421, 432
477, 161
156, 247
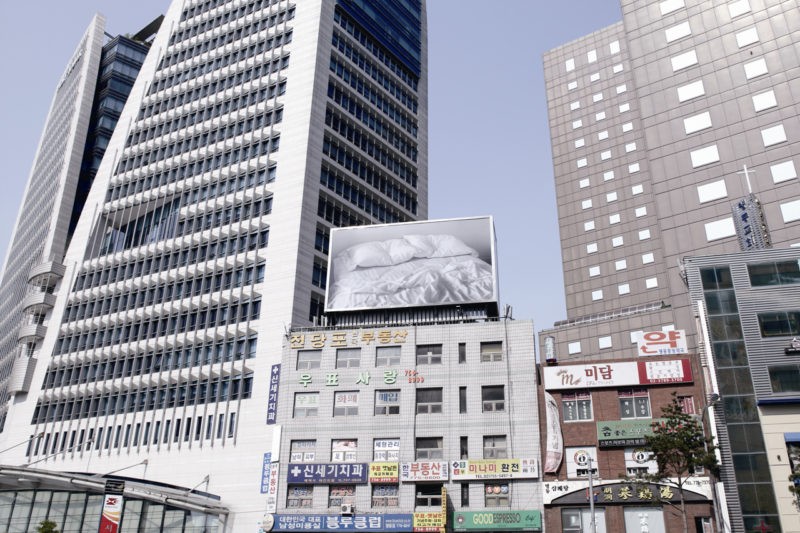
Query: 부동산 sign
498, 520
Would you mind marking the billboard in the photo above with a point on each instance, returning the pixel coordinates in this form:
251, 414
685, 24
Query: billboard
587, 376
412, 264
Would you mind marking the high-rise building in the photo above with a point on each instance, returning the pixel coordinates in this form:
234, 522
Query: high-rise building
252, 129
674, 133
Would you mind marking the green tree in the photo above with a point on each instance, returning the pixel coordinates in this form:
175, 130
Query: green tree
679, 447
47, 526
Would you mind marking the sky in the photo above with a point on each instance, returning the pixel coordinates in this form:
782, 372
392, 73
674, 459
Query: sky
489, 144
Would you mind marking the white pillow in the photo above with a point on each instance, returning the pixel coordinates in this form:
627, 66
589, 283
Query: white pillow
367, 254
450, 246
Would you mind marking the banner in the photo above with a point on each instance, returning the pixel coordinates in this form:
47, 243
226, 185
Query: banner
555, 441
384, 472
265, 472
493, 469
326, 473
272, 402
423, 471
112, 513
370, 523
272, 493
495, 520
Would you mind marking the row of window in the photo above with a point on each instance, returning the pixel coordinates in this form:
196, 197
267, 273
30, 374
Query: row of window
365, 200
142, 328
365, 113
426, 354
633, 403
387, 402
201, 8
392, 136
197, 392
193, 286
161, 261
341, 69
340, 216
154, 362
201, 26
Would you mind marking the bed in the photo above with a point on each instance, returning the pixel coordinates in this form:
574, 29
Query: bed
415, 270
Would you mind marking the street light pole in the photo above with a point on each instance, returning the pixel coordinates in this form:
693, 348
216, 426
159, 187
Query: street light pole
592, 521
713, 399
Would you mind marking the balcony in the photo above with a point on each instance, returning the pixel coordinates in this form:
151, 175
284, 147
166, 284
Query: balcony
38, 302
31, 333
44, 271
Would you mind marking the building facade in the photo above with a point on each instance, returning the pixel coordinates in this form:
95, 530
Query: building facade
252, 129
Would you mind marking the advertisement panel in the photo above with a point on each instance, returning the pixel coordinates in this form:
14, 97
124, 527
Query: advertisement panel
265, 472
424, 471
272, 493
412, 264
493, 469
624, 432
429, 522
369, 523
384, 472
112, 513
599, 375
325, 473
662, 343
493, 520
555, 441
272, 401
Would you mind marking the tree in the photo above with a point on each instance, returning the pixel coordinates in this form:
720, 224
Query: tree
46, 526
679, 447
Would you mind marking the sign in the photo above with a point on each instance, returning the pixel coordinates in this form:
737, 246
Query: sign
429, 522
496, 520
265, 472
493, 469
554, 491
386, 450
423, 471
325, 473
793, 348
272, 402
657, 372
624, 432
748, 219
384, 472
662, 343
370, 522
272, 493
555, 441
550, 349
345, 339
112, 513
627, 492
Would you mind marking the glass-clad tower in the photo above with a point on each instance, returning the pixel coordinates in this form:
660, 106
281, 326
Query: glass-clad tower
252, 129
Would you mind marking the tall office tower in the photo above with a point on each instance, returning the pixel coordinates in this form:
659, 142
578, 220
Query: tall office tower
674, 133
252, 129
83, 113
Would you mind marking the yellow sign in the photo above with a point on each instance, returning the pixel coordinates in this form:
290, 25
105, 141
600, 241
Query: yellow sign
384, 472
428, 522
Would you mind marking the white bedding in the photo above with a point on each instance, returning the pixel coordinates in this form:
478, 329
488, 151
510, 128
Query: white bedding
419, 281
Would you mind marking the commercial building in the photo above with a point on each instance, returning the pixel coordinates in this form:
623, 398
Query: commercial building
251, 130
674, 134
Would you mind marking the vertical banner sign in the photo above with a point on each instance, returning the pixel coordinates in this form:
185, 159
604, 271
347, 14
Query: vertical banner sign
555, 442
112, 507
272, 403
265, 472
272, 493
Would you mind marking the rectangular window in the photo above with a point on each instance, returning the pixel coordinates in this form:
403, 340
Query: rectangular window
429, 495
306, 404
779, 323
339, 495
497, 494
429, 448
783, 171
385, 496
387, 402
704, 156
495, 447
463, 446
429, 354
300, 496
344, 450
386, 450
308, 359
774, 273
493, 398
345, 403
691, 90
302, 451
348, 357
462, 400
464, 494
429, 401
387, 355
634, 403
784, 378
462, 352
577, 406
491, 351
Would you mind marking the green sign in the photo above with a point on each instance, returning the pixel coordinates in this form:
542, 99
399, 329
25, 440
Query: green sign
624, 432
498, 521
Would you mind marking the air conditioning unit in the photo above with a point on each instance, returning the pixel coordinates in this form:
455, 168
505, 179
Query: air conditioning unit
347, 508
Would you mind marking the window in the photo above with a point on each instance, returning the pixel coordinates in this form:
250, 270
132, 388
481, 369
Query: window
594, 77
491, 351
614, 219
637, 189
429, 401
677, 32
790, 211
344, 450
306, 404
497, 494
597, 97
647, 258
588, 226
429, 495
339, 495
495, 447
600, 116
429, 448
619, 240
602, 136
775, 273
697, 122
691, 90
628, 126
651, 283
462, 400
576, 406
462, 352
387, 355
639, 462
579, 143
464, 494
634, 403
644, 234
302, 451
608, 175
597, 295
387, 402
574, 105
591, 248
687, 404
613, 47
429, 354
684, 60
594, 271
385, 496
570, 64
308, 359
386, 450
747, 37
755, 68
621, 264
300, 496
348, 357
345, 403
605, 154
493, 397
591, 56
764, 100
586, 204
583, 183
773, 135
783, 171
784, 378
625, 288
719, 229
574, 347
779, 323
611, 197
604, 342
463, 445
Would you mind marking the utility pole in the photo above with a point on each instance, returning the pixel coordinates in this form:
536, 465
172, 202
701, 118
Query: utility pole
592, 522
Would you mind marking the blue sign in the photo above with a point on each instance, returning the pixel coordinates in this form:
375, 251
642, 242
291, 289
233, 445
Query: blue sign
324, 473
366, 522
265, 473
272, 403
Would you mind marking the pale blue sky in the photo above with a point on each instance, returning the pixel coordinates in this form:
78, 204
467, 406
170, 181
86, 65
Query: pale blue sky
489, 143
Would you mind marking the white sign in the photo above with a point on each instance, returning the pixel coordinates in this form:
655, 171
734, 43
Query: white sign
596, 375
662, 343
386, 450
555, 441
578, 460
